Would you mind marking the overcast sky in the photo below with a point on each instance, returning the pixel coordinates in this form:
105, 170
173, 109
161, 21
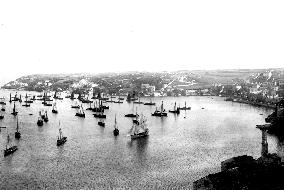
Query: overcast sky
58, 36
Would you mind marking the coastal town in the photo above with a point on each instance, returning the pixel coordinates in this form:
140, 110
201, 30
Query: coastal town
258, 87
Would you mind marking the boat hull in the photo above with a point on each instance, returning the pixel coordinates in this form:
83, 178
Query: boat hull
61, 141
10, 150
139, 135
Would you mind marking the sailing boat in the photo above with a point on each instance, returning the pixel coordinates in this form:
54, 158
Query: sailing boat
61, 139
139, 102
20, 99
2, 101
185, 108
72, 96
10, 100
115, 131
176, 109
45, 117
99, 115
40, 120
160, 113
81, 112
14, 110
132, 114
54, 108
10, 150
101, 123
17, 133
150, 103
76, 105
139, 129
26, 102
1, 116
3, 107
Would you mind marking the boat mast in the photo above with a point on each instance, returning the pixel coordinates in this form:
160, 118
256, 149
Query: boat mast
115, 122
14, 109
17, 124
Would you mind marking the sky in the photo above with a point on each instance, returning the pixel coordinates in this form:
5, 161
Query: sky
67, 36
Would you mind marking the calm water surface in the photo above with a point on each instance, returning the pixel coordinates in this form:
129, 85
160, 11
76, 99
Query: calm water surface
179, 150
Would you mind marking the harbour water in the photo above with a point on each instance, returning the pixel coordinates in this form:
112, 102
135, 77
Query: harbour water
179, 150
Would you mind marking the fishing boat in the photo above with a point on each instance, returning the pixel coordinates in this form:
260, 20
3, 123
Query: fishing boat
150, 103
76, 106
10, 100
101, 123
54, 108
3, 107
26, 102
11, 149
72, 96
1, 116
138, 102
161, 113
185, 108
20, 99
115, 131
57, 97
47, 104
132, 114
176, 109
61, 139
14, 110
17, 133
45, 119
99, 115
139, 129
40, 121
80, 112
128, 98
2, 101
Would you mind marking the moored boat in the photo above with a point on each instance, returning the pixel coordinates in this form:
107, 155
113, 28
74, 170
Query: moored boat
61, 139
185, 108
139, 129
115, 131
11, 149
161, 113
17, 133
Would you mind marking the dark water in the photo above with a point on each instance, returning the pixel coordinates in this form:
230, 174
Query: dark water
179, 149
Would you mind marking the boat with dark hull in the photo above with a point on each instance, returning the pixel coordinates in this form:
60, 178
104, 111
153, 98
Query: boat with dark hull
185, 108
1, 116
101, 123
26, 102
45, 119
17, 133
61, 139
150, 103
14, 110
138, 102
54, 108
11, 149
116, 130
176, 109
139, 129
80, 112
161, 113
40, 120
99, 115
3, 107
2, 101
